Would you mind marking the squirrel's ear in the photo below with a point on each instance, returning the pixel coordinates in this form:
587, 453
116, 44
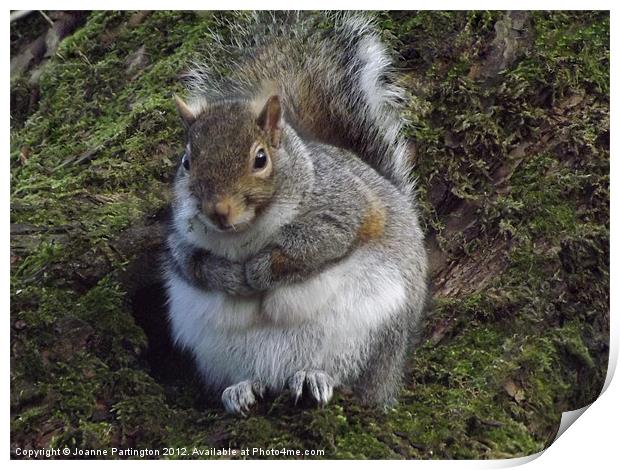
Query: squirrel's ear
186, 114
270, 120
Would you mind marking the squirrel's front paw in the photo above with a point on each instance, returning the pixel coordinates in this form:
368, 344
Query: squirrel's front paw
258, 271
318, 383
238, 398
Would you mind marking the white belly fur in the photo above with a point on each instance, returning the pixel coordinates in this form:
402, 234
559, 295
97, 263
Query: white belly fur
322, 323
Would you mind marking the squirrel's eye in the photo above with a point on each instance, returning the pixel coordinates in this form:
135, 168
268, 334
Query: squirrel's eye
260, 160
185, 161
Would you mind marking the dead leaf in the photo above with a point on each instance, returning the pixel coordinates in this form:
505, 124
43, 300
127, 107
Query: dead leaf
514, 391
24, 152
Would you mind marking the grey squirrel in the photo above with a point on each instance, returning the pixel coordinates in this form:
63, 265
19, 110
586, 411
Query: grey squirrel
295, 258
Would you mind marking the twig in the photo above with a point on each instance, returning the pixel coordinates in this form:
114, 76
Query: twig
47, 18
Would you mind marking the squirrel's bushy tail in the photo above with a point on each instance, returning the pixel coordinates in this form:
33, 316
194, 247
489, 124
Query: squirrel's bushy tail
333, 74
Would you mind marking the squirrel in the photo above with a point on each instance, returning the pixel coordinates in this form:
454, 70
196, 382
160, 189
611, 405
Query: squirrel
295, 259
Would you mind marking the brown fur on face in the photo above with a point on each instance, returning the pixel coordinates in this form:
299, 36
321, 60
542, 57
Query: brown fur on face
223, 141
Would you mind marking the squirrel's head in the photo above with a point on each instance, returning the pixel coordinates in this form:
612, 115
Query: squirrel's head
229, 159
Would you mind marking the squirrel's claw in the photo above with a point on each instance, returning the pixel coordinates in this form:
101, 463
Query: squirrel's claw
238, 398
319, 384
296, 384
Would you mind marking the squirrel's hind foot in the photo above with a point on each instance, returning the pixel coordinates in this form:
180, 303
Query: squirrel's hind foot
238, 398
319, 384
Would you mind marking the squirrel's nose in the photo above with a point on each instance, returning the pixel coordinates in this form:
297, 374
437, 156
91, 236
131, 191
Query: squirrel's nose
222, 208
221, 212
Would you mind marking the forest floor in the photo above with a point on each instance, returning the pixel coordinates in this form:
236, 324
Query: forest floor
509, 123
